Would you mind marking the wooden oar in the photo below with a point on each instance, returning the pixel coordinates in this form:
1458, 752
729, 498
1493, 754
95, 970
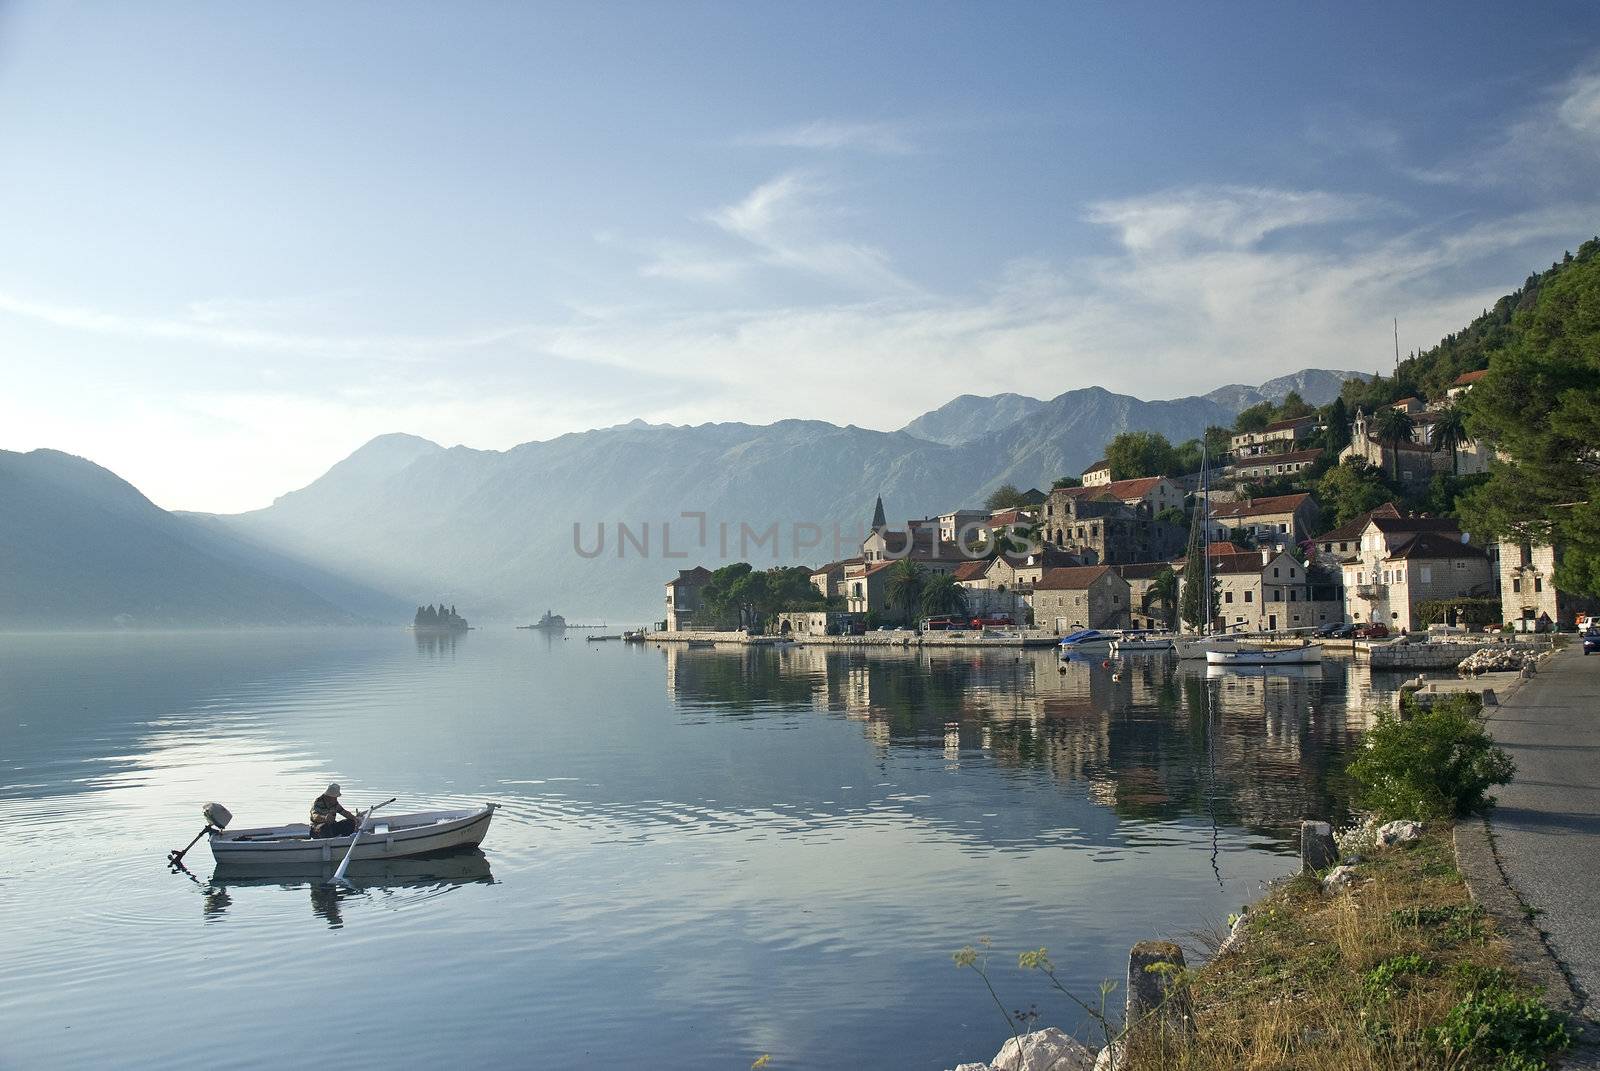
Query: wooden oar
338, 875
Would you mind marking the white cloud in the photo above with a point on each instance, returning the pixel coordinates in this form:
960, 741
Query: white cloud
1230, 216
835, 134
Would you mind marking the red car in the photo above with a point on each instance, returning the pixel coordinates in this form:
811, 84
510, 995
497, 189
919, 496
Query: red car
992, 621
1373, 630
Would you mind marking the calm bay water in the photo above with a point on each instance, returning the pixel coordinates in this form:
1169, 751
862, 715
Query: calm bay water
701, 857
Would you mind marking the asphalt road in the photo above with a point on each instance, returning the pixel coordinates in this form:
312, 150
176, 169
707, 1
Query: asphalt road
1547, 824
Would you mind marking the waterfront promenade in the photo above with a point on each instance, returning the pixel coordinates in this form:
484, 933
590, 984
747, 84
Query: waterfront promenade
1546, 829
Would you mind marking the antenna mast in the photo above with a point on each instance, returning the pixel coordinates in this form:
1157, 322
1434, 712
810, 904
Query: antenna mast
1397, 346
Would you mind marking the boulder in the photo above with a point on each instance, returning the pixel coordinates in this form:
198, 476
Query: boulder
1110, 1057
1340, 879
973, 1067
1044, 1050
1392, 834
1317, 848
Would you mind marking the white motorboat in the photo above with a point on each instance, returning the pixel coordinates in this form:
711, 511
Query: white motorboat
1197, 647
1308, 654
391, 837
1087, 639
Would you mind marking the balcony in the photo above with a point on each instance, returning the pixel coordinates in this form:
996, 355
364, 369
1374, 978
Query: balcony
1372, 591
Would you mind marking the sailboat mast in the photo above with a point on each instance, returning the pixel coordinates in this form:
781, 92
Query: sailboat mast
1205, 532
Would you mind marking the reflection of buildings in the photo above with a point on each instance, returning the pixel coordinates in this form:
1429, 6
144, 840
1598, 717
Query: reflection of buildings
1152, 740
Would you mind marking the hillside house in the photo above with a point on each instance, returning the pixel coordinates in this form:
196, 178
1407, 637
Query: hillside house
1276, 519
1267, 466
1098, 474
1277, 437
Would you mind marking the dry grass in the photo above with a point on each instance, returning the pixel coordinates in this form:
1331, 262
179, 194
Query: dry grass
1362, 981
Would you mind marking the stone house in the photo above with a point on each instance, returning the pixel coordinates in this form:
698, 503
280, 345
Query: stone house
1098, 526
1276, 519
813, 623
1077, 597
1400, 567
829, 579
1528, 589
1275, 438
683, 597
1416, 463
952, 524
1098, 474
1266, 466
1268, 590
1343, 544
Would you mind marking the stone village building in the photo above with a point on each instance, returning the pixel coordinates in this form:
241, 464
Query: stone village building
1528, 587
1078, 597
1399, 566
1115, 522
1279, 519
1275, 438
1268, 590
683, 597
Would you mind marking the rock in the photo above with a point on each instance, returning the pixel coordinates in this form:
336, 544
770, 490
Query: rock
1341, 879
1317, 849
1235, 937
1110, 1057
1392, 834
973, 1067
1044, 1050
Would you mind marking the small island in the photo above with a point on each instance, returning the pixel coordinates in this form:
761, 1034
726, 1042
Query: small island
438, 619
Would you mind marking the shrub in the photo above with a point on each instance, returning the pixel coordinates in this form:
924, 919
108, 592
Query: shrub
1499, 1029
1438, 764
1465, 611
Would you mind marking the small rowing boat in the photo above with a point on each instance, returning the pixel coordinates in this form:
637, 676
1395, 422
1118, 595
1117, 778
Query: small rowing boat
1306, 655
393, 837
1131, 642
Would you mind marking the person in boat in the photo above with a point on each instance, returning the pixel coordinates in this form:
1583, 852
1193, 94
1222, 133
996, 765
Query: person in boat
325, 812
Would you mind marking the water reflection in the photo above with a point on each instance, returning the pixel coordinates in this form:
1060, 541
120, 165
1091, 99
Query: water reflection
1150, 738
437, 644
394, 882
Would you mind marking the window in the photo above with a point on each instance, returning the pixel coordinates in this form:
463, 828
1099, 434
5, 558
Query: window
1277, 594
1249, 596
1516, 584
1227, 596
1538, 583
1427, 574
1291, 572
1274, 572
1294, 595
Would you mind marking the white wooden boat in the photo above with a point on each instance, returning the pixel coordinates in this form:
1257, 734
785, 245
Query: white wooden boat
1136, 643
1309, 654
385, 837
1197, 647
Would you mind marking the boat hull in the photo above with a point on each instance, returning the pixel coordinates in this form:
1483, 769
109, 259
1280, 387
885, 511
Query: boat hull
397, 837
1199, 648
1294, 656
1139, 646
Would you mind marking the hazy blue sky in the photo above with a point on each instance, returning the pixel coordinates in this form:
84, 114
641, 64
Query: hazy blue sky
243, 239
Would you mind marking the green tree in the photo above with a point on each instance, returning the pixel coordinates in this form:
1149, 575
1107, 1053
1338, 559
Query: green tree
1539, 405
1192, 597
1294, 406
1351, 489
1006, 496
906, 580
1449, 432
1256, 418
1163, 592
1066, 481
942, 595
1133, 454
1393, 427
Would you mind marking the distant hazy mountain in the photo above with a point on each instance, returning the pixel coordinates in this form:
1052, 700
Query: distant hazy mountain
971, 416
81, 548
1318, 386
492, 531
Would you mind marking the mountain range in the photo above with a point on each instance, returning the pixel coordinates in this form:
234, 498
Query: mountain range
506, 534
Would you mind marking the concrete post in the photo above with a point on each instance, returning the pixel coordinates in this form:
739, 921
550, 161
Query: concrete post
1317, 848
1156, 991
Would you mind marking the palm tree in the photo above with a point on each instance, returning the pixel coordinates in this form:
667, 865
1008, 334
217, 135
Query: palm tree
1163, 592
1449, 432
942, 595
906, 581
1393, 427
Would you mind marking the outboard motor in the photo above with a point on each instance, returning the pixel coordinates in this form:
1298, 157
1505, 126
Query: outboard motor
217, 819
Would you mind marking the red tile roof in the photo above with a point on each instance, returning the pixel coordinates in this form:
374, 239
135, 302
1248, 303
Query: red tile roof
973, 570
1224, 547
1071, 578
1467, 379
1260, 507
1353, 528
1292, 422
1435, 545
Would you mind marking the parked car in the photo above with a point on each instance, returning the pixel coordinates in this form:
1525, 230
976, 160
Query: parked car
1336, 631
992, 621
1591, 641
942, 623
1372, 630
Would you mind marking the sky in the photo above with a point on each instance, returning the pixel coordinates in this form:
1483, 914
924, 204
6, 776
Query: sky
242, 240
